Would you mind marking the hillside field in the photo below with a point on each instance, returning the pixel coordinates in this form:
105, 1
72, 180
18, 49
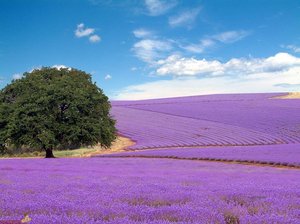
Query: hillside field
226, 159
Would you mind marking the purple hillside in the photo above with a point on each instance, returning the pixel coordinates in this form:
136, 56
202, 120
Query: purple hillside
216, 120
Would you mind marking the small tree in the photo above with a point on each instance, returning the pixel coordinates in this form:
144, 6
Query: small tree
53, 108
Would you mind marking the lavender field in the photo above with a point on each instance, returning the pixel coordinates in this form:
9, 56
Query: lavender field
132, 190
216, 120
280, 155
149, 112
256, 129
251, 128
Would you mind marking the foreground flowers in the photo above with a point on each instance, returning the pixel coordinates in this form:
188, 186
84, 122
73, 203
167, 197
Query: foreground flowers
133, 190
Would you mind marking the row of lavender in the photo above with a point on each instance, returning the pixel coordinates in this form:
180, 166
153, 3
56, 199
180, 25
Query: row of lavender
217, 120
146, 191
155, 130
259, 112
284, 155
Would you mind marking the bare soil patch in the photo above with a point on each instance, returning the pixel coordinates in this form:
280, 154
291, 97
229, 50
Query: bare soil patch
295, 95
120, 144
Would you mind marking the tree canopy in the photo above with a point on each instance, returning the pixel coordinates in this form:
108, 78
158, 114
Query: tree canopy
53, 108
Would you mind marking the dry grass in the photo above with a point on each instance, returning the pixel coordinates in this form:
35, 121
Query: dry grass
295, 95
120, 144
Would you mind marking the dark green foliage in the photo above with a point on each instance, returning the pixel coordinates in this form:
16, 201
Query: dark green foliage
54, 108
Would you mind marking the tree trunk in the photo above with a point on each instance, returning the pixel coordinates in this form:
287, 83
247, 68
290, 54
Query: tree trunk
49, 153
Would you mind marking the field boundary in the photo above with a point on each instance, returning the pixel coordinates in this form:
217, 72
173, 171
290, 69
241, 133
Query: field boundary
232, 161
200, 146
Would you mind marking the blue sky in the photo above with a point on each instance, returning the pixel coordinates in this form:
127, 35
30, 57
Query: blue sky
138, 49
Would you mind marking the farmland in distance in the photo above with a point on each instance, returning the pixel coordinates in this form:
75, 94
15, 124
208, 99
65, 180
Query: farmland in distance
225, 159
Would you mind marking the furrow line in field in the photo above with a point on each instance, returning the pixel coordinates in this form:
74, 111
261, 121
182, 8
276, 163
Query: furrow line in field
244, 162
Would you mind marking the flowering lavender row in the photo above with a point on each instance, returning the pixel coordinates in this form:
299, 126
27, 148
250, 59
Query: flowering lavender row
214, 97
259, 113
154, 130
146, 191
287, 155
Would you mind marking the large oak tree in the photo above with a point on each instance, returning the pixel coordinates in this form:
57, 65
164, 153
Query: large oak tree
52, 108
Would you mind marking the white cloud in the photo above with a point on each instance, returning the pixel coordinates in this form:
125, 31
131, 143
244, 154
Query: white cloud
149, 50
278, 73
108, 77
211, 41
94, 38
59, 67
231, 36
17, 76
179, 66
292, 47
185, 18
142, 33
81, 31
159, 7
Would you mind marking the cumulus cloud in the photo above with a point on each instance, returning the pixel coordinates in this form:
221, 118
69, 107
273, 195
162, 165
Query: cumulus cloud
81, 31
159, 7
149, 50
94, 38
278, 73
179, 66
185, 18
108, 77
150, 47
59, 67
